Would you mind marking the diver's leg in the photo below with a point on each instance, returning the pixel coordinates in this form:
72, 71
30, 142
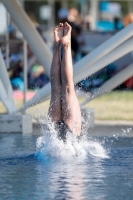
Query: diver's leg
55, 77
70, 105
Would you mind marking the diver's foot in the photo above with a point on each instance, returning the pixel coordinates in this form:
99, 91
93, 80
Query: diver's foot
58, 34
66, 39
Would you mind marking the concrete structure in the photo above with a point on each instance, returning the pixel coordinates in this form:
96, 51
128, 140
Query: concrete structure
16, 123
117, 46
33, 38
114, 48
10, 123
44, 56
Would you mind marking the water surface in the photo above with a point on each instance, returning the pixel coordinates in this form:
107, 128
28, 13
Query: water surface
101, 170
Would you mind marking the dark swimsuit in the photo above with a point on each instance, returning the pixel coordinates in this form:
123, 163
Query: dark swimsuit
62, 129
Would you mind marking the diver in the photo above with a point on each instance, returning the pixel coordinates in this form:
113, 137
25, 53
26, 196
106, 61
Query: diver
64, 110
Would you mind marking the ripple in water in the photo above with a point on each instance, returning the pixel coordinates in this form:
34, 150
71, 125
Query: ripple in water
49, 145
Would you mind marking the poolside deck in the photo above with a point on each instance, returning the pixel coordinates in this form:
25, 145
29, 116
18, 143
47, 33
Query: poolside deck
102, 128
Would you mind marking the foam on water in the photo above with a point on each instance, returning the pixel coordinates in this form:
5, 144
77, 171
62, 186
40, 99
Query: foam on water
49, 145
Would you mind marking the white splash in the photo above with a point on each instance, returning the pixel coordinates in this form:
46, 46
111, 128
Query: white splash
50, 145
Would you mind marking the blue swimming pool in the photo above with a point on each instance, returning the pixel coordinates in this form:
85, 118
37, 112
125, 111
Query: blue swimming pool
101, 168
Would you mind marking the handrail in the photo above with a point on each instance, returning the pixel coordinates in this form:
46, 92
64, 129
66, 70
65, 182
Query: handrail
113, 55
103, 49
121, 50
112, 83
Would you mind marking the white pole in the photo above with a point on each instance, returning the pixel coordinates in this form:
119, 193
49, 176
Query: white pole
51, 3
103, 49
118, 52
121, 50
42, 95
25, 68
112, 83
30, 33
6, 95
94, 13
7, 42
87, 61
64, 4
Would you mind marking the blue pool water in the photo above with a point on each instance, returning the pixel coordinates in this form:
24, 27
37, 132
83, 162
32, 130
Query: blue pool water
99, 168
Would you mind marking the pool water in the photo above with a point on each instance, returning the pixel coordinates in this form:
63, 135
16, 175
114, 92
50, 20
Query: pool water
37, 168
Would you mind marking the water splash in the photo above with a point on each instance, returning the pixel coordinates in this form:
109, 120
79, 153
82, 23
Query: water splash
49, 145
